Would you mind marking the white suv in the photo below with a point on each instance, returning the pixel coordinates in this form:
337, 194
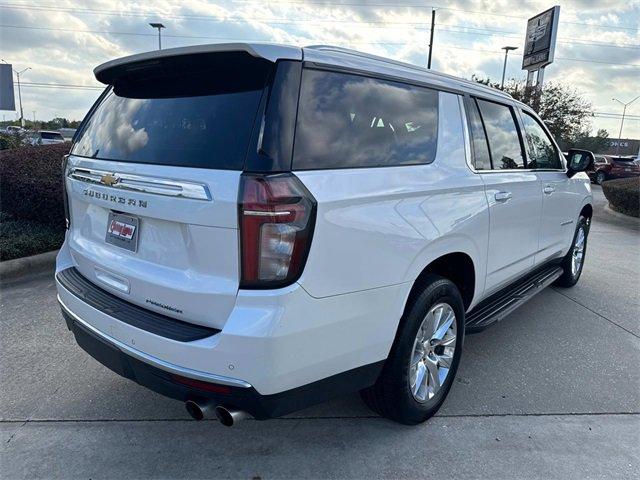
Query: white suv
253, 229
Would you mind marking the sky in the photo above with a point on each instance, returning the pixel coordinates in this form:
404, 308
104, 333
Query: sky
597, 53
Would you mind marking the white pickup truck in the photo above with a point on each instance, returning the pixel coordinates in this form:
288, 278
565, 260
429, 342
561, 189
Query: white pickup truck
253, 229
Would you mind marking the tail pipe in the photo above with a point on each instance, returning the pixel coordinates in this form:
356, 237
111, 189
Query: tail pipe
229, 416
200, 410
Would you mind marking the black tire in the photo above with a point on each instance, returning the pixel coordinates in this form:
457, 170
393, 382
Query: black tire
600, 177
570, 276
391, 395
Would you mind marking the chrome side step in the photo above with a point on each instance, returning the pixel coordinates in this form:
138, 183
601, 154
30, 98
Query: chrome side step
498, 306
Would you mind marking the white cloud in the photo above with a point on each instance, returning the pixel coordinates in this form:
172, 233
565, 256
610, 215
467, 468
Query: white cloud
469, 36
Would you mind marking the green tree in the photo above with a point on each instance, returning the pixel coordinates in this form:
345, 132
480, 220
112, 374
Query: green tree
563, 109
597, 144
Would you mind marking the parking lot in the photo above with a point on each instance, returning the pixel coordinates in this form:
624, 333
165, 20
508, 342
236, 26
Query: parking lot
552, 391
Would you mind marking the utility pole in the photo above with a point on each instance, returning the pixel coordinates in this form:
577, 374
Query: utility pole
504, 68
624, 111
34, 119
20, 94
433, 26
159, 26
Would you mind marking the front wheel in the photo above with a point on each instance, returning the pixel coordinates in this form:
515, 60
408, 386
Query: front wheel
600, 177
424, 358
573, 262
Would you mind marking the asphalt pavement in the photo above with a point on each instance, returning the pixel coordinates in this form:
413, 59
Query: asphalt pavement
552, 391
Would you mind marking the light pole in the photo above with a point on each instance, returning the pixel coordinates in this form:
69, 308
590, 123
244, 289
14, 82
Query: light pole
159, 26
624, 111
504, 67
18, 73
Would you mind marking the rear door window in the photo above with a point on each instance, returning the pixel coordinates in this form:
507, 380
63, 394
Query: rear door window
347, 121
542, 152
197, 117
502, 133
482, 157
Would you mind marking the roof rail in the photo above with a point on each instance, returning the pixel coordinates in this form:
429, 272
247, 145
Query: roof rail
349, 51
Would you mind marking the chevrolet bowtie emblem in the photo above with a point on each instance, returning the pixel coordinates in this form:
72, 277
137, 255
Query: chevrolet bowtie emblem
109, 180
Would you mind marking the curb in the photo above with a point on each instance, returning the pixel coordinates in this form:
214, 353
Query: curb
621, 216
21, 267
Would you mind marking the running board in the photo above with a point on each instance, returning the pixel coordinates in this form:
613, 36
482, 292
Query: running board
498, 306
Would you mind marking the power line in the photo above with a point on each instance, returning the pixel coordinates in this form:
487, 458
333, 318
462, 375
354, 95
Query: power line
438, 7
565, 39
272, 20
61, 85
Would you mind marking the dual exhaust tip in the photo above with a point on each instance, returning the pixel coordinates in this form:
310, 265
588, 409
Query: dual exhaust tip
225, 415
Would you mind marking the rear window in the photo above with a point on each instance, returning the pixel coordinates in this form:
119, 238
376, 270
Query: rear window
192, 115
51, 136
347, 121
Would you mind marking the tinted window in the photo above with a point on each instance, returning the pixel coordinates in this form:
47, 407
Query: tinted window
353, 121
193, 118
480, 148
51, 136
502, 133
542, 152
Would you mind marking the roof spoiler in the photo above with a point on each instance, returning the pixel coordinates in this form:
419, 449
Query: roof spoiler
108, 72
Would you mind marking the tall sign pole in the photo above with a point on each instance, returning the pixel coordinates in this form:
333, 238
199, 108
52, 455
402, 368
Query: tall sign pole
433, 27
540, 45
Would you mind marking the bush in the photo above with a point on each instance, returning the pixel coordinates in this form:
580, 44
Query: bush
623, 195
21, 238
31, 183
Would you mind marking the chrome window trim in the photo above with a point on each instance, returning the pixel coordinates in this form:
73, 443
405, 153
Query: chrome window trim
154, 361
143, 183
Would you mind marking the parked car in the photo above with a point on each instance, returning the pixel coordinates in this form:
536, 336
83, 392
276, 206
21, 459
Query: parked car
607, 167
14, 130
45, 137
254, 228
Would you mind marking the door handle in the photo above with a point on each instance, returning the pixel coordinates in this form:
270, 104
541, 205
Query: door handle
502, 196
549, 189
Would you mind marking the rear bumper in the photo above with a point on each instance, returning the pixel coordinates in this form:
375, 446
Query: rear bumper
221, 390
278, 350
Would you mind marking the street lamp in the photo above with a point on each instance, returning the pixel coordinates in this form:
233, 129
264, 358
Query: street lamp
624, 111
504, 68
18, 73
159, 26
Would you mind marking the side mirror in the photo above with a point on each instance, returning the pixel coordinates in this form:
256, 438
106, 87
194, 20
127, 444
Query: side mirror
578, 161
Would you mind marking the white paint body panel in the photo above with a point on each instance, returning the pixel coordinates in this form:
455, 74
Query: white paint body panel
187, 255
376, 230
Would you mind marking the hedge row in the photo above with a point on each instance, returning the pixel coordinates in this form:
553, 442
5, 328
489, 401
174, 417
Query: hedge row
31, 185
23, 238
623, 195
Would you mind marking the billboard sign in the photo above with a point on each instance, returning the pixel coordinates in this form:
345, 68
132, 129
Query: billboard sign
540, 41
7, 98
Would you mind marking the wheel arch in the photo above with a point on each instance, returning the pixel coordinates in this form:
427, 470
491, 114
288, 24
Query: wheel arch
457, 267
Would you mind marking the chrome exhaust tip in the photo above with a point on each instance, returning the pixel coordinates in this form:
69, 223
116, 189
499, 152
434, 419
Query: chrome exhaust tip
229, 416
200, 411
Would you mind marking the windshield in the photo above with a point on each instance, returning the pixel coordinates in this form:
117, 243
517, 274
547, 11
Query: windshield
202, 116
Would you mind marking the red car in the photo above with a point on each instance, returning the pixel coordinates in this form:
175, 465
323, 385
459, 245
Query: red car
608, 167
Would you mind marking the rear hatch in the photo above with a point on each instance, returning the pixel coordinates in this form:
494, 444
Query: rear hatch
152, 183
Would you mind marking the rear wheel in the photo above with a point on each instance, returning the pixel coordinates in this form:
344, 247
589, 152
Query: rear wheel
424, 358
600, 177
573, 261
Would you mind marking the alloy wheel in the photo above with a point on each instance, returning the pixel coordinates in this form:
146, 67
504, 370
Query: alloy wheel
577, 256
433, 352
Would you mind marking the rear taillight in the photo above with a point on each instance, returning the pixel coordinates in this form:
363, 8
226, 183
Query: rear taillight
277, 215
65, 198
